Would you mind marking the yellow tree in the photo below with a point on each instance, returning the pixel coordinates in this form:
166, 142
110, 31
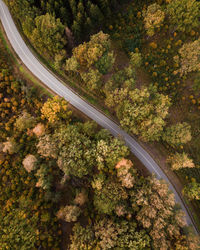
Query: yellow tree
56, 109
188, 58
89, 53
153, 18
178, 161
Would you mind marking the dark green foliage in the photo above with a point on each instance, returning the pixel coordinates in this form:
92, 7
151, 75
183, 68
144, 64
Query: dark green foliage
105, 63
45, 179
18, 231
108, 196
82, 17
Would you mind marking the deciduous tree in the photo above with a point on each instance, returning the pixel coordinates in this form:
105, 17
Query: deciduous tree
188, 58
192, 190
177, 134
184, 14
179, 161
25, 121
69, 213
82, 238
142, 111
29, 162
48, 35
153, 18
56, 109
108, 195
109, 152
156, 212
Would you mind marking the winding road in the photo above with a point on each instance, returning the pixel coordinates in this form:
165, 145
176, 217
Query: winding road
34, 65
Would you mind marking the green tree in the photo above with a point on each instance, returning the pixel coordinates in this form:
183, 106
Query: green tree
177, 134
22, 9
73, 6
92, 79
184, 14
91, 60
28, 25
109, 151
95, 13
108, 195
44, 177
105, 63
82, 238
142, 112
105, 7
192, 191
74, 151
25, 121
76, 29
48, 35
135, 60
87, 54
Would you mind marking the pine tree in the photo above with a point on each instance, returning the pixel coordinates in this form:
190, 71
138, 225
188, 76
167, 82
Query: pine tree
96, 14
73, 7
104, 7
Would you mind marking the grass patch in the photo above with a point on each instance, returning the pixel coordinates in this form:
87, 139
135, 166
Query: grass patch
30, 77
7, 48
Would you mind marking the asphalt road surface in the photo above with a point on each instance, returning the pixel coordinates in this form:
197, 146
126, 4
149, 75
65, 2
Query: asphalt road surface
34, 65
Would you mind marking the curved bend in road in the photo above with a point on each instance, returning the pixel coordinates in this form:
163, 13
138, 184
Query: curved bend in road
53, 83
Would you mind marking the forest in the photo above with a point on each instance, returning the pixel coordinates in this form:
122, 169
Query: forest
71, 184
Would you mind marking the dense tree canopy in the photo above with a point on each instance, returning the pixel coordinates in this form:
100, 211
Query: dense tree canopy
177, 134
48, 35
73, 150
155, 207
18, 230
184, 14
77, 171
141, 112
92, 59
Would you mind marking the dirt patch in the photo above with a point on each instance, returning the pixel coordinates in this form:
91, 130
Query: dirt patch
142, 78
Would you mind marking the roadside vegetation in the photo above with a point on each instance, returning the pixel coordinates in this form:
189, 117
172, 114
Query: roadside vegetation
107, 48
